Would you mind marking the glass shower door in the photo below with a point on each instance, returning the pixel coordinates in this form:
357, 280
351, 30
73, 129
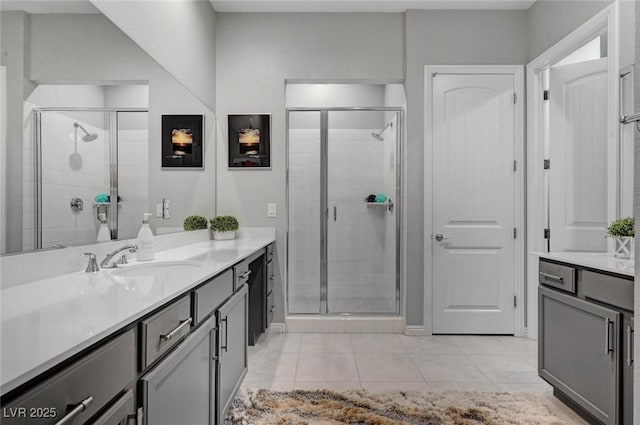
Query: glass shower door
361, 191
304, 237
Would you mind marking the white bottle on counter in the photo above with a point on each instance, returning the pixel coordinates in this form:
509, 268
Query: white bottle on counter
146, 245
103, 232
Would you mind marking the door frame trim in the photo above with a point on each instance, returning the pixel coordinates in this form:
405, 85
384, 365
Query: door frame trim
517, 71
537, 202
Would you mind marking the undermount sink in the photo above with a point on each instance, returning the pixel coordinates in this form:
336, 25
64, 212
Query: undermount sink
146, 269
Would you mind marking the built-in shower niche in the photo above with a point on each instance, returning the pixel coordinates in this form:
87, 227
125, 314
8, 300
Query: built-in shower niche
82, 161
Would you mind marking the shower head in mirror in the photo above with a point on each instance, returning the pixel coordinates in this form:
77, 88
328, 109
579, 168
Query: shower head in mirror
378, 135
88, 137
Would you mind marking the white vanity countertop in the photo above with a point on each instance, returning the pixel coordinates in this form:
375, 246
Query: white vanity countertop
45, 322
595, 260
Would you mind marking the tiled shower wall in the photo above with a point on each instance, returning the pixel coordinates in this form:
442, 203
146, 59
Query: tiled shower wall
361, 239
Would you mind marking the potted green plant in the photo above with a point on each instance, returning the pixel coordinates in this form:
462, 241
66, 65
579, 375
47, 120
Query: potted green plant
224, 227
194, 222
623, 232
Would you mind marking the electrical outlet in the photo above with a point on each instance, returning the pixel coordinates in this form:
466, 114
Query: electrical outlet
158, 210
271, 210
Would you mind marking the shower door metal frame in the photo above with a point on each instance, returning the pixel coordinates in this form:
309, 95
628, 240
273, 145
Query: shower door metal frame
324, 208
113, 163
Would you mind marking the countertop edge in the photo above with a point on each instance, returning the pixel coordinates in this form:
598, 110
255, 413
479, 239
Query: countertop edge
604, 262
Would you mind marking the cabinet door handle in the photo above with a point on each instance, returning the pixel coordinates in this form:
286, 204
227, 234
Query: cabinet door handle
629, 345
245, 274
555, 278
75, 411
226, 333
273, 276
607, 336
183, 324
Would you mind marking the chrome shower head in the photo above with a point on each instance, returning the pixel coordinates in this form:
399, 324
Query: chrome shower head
88, 137
378, 135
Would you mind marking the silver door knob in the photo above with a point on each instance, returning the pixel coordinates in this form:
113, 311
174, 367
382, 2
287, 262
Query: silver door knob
439, 237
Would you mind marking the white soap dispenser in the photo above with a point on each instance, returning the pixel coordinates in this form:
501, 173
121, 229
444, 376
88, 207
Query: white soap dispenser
103, 232
146, 246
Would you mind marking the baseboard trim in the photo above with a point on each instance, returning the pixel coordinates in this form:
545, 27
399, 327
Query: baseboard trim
414, 330
277, 328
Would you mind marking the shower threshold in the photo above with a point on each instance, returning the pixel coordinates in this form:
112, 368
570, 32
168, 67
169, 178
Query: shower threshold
345, 324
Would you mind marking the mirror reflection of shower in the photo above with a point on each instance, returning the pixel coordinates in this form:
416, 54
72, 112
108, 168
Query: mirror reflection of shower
75, 159
88, 137
378, 135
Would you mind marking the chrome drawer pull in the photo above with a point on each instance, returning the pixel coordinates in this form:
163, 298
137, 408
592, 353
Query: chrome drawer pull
226, 333
183, 324
76, 411
629, 345
245, 274
607, 336
555, 278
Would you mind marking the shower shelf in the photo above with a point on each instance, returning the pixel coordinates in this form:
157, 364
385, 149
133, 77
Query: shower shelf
388, 205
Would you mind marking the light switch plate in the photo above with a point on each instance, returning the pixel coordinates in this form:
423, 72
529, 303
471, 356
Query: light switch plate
271, 210
158, 210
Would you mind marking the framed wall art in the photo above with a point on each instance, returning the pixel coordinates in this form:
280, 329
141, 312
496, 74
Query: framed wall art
182, 141
249, 141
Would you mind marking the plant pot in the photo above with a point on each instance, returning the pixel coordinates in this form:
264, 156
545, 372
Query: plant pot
224, 236
625, 247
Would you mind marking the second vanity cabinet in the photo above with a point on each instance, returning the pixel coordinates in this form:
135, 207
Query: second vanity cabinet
586, 340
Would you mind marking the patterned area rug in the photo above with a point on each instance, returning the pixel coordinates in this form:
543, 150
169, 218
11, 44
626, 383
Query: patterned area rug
323, 407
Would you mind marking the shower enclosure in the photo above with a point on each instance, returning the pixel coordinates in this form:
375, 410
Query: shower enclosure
343, 193
88, 163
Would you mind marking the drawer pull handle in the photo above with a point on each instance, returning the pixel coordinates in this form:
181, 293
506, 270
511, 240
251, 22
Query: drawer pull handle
183, 324
629, 345
245, 274
226, 333
555, 278
607, 336
76, 411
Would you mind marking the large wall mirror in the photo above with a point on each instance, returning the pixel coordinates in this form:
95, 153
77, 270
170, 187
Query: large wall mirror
82, 128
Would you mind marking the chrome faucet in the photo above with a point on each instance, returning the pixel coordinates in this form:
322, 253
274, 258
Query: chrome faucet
105, 263
92, 267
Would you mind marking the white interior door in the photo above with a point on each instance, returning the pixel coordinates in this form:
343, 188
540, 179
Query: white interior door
578, 152
473, 204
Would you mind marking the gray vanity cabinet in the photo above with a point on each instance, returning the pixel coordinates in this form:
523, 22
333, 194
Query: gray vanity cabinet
122, 412
231, 319
177, 390
579, 352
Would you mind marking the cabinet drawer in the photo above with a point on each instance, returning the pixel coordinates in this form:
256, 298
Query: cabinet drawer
122, 409
608, 289
241, 274
558, 276
271, 251
164, 329
212, 294
93, 380
271, 275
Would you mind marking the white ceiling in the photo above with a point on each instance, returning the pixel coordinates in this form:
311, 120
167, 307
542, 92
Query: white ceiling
389, 6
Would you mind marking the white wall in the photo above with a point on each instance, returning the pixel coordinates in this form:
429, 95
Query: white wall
89, 48
179, 35
280, 47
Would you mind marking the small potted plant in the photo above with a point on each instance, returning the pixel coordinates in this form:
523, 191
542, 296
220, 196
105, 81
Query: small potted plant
623, 232
224, 227
195, 222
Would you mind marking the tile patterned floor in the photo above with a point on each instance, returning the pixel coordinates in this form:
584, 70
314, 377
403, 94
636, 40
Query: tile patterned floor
392, 361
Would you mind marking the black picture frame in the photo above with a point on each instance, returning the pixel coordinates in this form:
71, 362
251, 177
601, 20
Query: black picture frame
183, 141
249, 141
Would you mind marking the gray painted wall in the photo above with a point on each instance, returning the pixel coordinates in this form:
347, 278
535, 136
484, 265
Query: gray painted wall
444, 38
636, 211
256, 53
180, 35
549, 21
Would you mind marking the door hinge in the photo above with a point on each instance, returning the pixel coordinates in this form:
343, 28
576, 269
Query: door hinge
515, 233
515, 165
515, 301
547, 233
515, 98
545, 95
547, 164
